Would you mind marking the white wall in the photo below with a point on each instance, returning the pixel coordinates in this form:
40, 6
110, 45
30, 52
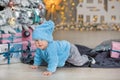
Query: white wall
115, 11
87, 38
84, 10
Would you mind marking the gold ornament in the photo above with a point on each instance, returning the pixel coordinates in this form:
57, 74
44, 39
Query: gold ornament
11, 21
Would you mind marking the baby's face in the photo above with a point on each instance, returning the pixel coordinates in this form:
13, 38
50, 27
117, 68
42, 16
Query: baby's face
42, 44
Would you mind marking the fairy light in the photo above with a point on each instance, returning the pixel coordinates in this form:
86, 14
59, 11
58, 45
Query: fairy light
63, 8
64, 0
67, 15
52, 5
80, 1
73, 4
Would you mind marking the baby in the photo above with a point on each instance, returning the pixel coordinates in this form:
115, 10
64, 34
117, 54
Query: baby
54, 53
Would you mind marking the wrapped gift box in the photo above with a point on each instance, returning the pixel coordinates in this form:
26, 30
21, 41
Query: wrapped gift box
13, 52
10, 53
10, 38
28, 45
115, 53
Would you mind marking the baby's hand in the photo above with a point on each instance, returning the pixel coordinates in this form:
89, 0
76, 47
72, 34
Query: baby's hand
47, 73
34, 67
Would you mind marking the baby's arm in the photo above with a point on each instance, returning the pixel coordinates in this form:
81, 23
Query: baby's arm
52, 65
52, 60
37, 60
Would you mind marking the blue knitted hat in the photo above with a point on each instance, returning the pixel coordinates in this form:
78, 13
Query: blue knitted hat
44, 31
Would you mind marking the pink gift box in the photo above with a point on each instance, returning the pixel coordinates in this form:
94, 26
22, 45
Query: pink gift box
115, 53
10, 38
5, 35
25, 44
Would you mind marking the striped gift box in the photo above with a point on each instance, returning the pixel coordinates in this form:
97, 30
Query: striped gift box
10, 38
26, 44
16, 51
115, 53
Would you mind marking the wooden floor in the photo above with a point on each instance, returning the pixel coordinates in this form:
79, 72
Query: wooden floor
21, 71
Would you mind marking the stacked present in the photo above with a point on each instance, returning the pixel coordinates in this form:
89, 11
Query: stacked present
10, 38
18, 18
17, 46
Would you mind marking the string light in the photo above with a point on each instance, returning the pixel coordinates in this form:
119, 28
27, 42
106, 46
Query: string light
73, 4
67, 11
89, 27
52, 6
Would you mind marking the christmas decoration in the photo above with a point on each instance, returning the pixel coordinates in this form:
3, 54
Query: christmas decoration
52, 6
17, 21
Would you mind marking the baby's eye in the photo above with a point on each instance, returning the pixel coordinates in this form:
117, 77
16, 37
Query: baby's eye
37, 40
41, 40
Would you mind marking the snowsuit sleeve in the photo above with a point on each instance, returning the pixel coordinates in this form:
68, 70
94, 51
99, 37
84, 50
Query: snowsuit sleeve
37, 58
52, 59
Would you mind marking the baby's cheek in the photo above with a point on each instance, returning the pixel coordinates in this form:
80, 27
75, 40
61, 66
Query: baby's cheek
37, 46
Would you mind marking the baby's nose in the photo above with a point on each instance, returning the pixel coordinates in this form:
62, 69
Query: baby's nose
40, 43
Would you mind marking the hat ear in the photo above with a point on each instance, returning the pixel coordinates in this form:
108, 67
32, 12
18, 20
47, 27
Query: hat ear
51, 26
48, 26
